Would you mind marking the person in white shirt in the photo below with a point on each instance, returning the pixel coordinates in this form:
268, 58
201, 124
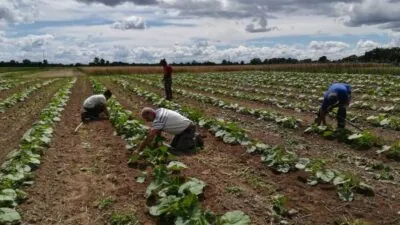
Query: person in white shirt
172, 122
94, 105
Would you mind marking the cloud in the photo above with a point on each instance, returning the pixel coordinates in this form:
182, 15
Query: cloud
384, 13
327, 47
118, 2
262, 26
18, 11
130, 23
367, 45
34, 42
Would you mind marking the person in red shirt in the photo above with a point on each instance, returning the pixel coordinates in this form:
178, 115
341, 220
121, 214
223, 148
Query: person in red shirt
167, 79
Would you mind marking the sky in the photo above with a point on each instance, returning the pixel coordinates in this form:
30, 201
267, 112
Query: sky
145, 31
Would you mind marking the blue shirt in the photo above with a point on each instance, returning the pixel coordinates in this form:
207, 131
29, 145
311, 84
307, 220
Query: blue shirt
343, 92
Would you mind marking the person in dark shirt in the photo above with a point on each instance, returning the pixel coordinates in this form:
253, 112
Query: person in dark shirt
167, 79
337, 96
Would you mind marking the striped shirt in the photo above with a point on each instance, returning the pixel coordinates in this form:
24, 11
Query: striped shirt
170, 121
94, 100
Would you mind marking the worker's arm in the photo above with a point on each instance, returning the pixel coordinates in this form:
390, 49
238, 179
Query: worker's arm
150, 136
322, 116
323, 111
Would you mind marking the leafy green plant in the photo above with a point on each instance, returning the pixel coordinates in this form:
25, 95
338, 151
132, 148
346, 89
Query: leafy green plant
174, 198
17, 169
123, 219
105, 203
364, 141
279, 205
279, 160
394, 152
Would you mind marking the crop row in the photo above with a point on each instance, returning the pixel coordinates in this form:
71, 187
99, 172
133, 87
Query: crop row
383, 86
17, 170
22, 95
310, 93
283, 97
267, 115
11, 84
176, 197
391, 122
360, 141
276, 158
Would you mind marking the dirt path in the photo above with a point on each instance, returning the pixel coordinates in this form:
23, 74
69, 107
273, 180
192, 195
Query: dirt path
307, 118
227, 168
19, 118
53, 73
81, 171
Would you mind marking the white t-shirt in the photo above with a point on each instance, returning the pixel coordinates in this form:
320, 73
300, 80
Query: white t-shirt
94, 100
170, 121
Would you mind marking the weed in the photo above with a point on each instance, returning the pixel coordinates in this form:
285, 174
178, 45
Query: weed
123, 219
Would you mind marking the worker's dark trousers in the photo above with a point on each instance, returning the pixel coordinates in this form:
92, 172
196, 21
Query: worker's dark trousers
92, 113
341, 116
168, 88
187, 140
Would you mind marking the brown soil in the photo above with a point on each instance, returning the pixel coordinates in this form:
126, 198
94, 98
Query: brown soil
269, 132
387, 135
223, 166
7, 93
54, 73
79, 171
19, 118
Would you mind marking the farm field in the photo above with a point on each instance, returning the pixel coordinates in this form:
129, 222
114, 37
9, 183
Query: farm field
263, 161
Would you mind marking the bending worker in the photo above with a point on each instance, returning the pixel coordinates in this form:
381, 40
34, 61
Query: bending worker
94, 105
337, 96
185, 140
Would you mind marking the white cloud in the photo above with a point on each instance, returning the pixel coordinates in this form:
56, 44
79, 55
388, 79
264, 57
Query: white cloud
328, 46
384, 13
130, 23
367, 45
18, 11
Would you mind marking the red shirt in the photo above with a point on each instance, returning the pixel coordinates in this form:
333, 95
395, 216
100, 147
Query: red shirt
167, 71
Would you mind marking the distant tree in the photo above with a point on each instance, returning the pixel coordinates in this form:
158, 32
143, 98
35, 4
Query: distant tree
26, 62
96, 61
306, 61
242, 62
323, 59
45, 62
256, 61
224, 62
107, 62
102, 62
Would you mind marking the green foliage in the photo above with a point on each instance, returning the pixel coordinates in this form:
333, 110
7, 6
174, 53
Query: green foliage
279, 205
364, 141
105, 203
123, 219
16, 170
280, 160
394, 152
21, 96
176, 197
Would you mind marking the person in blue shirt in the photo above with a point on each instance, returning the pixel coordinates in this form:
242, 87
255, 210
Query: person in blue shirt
337, 96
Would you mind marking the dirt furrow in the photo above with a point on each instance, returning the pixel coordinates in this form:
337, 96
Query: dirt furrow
19, 118
225, 167
84, 178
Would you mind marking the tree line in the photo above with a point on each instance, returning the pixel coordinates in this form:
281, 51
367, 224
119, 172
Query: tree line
378, 55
